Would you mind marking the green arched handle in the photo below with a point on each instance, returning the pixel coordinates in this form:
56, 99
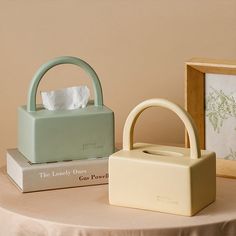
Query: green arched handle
156, 102
98, 98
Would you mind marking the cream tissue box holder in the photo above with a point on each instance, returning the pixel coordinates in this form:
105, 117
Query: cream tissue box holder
162, 178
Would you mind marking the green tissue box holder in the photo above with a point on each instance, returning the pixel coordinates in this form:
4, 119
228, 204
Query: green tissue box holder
49, 136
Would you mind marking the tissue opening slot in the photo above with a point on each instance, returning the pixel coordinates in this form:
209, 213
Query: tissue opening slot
163, 153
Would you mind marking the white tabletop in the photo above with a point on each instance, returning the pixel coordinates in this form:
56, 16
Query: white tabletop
86, 211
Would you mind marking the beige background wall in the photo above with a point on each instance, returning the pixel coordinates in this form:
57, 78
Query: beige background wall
138, 49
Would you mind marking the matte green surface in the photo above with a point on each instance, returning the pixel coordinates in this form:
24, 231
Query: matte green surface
48, 136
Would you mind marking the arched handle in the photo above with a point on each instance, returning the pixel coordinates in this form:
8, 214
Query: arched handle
183, 115
98, 99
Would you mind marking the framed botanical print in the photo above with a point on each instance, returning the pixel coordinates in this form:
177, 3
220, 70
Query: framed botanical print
210, 98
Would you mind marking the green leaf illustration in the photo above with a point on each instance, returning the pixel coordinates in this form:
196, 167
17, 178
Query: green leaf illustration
219, 107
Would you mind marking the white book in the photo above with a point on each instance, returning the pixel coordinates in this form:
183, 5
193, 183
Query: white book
36, 177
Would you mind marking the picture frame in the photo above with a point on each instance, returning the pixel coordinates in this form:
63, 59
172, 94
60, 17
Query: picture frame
198, 71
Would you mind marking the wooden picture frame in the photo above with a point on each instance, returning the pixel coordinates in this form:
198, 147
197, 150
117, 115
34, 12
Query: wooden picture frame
196, 70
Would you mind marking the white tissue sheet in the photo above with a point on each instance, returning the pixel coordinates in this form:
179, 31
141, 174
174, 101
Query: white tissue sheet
66, 99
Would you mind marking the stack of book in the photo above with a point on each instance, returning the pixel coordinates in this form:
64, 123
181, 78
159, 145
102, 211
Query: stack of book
30, 177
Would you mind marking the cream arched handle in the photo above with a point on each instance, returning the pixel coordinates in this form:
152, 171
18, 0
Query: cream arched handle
156, 102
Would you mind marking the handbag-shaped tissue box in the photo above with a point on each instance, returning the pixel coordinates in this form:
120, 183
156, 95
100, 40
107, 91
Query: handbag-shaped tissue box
48, 136
162, 178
